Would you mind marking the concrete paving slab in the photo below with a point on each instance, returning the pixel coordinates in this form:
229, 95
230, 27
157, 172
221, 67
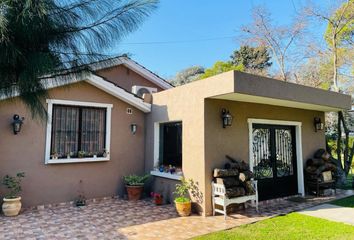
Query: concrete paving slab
331, 212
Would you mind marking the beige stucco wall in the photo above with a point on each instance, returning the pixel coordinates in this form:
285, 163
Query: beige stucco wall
234, 140
205, 142
184, 103
58, 183
125, 78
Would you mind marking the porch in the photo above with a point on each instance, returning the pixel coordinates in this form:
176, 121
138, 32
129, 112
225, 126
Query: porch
114, 218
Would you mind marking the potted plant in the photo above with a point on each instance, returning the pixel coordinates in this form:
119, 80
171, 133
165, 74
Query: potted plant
81, 154
158, 198
12, 202
135, 186
80, 201
105, 153
55, 155
183, 203
68, 155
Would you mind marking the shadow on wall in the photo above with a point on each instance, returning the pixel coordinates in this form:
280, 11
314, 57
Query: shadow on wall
197, 197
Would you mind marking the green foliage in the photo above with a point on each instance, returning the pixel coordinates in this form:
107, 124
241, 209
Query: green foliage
13, 184
332, 143
135, 180
182, 190
187, 75
220, 67
345, 202
182, 199
293, 226
342, 24
42, 39
252, 58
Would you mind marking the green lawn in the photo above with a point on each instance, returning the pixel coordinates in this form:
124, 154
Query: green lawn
293, 226
345, 202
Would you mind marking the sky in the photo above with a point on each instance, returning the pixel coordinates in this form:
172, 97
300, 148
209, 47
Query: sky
184, 33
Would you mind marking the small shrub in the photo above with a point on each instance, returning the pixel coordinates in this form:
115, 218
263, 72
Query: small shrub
13, 184
182, 190
135, 180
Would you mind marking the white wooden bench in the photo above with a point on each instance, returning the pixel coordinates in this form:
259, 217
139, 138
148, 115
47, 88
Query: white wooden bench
219, 198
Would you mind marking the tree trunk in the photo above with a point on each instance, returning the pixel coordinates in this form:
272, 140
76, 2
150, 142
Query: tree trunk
343, 164
335, 64
340, 174
282, 69
339, 141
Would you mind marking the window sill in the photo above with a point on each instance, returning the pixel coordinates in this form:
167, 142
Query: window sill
166, 175
76, 160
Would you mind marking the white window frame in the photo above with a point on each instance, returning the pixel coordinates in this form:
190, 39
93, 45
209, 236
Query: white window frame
50, 103
298, 134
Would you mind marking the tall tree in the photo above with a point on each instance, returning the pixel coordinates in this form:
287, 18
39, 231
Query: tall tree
315, 72
339, 38
187, 75
220, 67
339, 34
42, 38
254, 59
279, 39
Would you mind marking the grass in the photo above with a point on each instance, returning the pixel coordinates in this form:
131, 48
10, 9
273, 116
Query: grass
345, 202
293, 226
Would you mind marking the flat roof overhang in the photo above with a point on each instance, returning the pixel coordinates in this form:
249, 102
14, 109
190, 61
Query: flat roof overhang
256, 89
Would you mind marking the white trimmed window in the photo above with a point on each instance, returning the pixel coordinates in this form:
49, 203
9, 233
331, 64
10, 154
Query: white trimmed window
77, 131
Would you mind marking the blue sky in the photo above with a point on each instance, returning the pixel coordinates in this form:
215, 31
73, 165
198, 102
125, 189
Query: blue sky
201, 32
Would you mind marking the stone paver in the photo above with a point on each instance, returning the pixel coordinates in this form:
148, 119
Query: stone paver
120, 219
332, 213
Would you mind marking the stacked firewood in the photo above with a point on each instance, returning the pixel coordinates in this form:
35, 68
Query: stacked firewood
235, 176
320, 163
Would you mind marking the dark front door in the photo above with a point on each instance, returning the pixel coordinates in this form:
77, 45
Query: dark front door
274, 160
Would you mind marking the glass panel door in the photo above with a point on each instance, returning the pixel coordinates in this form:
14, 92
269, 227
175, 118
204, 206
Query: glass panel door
284, 152
262, 164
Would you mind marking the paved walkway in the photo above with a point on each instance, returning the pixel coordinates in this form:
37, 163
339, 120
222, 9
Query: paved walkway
120, 219
332, 213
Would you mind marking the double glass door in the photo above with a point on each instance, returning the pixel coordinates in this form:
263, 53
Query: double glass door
274, 160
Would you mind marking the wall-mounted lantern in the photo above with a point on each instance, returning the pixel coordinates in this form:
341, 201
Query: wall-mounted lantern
17, 123
226, 118
133, 128
318, 124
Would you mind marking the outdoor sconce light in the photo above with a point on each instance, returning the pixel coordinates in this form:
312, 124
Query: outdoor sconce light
226, 118
133, 128
318, 124
17, 123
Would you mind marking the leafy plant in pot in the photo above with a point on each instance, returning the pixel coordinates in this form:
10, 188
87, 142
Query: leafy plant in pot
12, 202
135, 186
81, 200
183, 203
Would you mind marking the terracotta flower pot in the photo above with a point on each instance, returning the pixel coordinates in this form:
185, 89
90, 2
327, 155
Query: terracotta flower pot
183, 208
11, 206
134, 192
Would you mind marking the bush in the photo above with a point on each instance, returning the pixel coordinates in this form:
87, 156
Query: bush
182, 190
135, 180
13, 184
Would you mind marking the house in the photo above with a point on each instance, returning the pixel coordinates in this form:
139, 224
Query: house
93, 114
272, 129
